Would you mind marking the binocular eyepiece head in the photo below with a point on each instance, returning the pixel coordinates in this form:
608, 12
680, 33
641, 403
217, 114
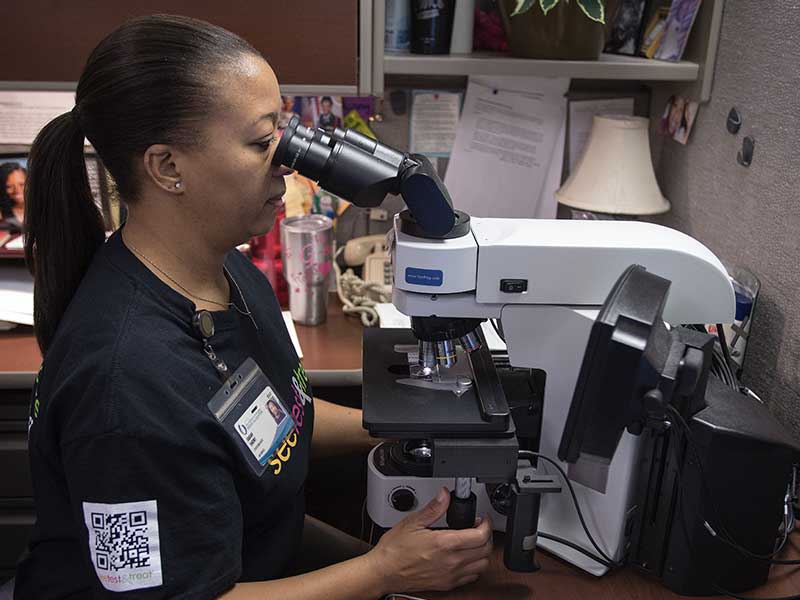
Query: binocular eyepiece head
363, 171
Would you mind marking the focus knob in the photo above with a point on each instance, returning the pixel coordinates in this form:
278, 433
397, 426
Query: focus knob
403, 499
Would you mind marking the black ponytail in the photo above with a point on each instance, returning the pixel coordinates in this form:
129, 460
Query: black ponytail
149, 82
63, 227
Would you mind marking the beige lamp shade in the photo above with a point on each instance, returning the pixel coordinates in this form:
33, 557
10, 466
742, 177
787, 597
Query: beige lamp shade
615, 174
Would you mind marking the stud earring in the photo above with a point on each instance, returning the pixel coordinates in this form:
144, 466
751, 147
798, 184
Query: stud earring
178, 185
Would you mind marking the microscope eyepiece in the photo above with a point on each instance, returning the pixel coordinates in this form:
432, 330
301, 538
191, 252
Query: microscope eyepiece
363, 171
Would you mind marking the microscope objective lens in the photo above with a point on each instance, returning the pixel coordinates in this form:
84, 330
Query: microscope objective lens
446, 353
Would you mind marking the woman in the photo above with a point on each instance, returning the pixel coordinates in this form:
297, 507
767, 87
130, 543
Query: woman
139, 487
12, 190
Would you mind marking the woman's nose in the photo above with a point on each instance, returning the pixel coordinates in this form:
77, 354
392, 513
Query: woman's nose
283, 171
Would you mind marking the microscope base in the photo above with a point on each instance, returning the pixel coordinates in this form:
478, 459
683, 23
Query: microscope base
393, 495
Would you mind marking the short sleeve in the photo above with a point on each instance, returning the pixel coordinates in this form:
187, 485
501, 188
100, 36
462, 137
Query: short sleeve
160, 516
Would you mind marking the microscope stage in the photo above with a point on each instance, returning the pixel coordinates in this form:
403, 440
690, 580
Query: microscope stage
397, 405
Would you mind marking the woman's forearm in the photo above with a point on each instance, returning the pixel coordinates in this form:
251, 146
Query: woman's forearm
350, 580
339, 430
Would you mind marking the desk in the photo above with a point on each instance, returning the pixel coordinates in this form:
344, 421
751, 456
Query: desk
332, 352
560, 580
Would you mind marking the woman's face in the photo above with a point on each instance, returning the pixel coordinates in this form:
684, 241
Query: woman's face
15, 186
229, 180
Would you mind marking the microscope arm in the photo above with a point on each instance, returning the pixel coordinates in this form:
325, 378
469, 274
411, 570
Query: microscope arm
558, 263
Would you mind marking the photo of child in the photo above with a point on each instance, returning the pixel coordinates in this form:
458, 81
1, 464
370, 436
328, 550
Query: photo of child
290, 107
678, 118
328, 120
323, 112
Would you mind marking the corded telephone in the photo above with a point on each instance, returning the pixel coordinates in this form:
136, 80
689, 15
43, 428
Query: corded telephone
371, 252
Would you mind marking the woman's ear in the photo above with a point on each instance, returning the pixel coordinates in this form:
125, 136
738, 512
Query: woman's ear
160, 166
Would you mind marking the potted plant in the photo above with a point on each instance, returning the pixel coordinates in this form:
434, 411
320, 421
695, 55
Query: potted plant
556, 29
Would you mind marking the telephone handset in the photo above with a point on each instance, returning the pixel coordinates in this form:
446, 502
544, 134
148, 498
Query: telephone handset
371, 252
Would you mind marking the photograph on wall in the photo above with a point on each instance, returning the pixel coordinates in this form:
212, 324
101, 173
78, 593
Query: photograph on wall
678, 118
319, 112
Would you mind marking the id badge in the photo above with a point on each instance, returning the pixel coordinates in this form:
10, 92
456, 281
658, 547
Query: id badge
249, 408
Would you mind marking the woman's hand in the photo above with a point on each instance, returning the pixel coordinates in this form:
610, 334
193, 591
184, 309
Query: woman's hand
415, 558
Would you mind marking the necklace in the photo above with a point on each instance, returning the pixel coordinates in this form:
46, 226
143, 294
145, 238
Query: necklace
246, 312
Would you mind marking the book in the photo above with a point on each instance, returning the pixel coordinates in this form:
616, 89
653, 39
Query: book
682, 14
651, 41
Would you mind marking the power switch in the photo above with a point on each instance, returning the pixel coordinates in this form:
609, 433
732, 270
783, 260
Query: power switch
513, 286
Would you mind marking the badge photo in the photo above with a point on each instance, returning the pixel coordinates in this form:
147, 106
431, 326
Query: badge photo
248, 406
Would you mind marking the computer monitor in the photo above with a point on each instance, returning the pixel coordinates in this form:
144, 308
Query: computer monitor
628, 347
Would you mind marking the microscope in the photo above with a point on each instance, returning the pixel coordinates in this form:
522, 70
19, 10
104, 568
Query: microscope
585, 388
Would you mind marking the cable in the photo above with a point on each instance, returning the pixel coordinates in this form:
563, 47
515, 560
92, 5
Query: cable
720, 358
690, 443
724, 343
359, 297
363, 520
716, 587
577, 548
497, 329
530, 453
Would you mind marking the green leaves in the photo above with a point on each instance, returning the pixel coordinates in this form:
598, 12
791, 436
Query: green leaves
523, 6
547, 5
593, 9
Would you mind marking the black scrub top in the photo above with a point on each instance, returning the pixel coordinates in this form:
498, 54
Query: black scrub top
140, 492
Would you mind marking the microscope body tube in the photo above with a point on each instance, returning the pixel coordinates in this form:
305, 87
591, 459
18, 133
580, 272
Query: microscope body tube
375, 148
350, 171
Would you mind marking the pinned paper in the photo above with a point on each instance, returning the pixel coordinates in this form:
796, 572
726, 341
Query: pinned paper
511, 131
434, 120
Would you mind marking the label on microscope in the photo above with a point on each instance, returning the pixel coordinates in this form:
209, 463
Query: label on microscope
432, 277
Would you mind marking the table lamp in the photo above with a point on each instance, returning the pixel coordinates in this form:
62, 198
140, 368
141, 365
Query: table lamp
615, 173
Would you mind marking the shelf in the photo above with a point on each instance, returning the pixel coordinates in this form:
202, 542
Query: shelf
609, 66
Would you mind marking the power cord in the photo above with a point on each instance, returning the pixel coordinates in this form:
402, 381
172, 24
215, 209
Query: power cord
577, 548
359, 297
498, 329
606, 561
726, 538
721, 361
690, 443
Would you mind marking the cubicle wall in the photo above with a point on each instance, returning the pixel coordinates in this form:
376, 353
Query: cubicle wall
308, 42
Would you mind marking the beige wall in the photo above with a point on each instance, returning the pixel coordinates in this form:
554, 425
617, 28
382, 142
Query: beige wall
750, 216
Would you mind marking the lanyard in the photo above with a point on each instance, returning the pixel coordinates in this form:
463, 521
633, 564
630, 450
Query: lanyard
203, 323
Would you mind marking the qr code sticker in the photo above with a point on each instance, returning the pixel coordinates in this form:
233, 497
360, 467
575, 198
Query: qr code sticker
120, 540
124, 544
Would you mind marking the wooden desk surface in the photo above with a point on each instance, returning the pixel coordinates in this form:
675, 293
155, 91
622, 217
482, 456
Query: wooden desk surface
331, 351
562, 581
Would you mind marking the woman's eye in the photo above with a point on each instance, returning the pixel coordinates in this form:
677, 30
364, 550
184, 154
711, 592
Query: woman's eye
265, 144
